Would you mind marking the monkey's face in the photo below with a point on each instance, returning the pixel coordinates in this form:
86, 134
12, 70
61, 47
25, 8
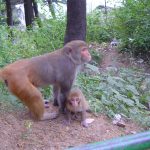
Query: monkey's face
77, 51
81, 55
74, 102
85, 55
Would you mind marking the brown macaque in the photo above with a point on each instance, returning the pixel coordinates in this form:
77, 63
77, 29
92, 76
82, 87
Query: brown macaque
76, 103
58, 68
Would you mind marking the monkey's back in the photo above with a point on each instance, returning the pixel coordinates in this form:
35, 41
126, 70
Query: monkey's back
51, 68
18, 68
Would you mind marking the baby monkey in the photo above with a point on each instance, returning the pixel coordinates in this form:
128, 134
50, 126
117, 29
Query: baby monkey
76, 103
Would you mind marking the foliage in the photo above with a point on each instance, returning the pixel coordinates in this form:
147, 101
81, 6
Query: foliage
24, 44
96, 57
127, 93
2, 12
132, 25
99, 27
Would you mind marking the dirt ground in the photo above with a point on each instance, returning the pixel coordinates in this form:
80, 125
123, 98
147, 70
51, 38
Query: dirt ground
19, 132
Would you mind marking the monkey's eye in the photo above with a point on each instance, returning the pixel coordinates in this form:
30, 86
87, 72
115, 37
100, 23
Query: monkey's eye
70, 102
78, 100
83, 50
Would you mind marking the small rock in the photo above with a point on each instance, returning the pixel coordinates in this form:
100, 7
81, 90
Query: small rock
86, 122
117, 117
89, 120
118, 121
114, 42
133, 132
113, 69
67, 128
107, 131
121, 124
90, 46
140, 61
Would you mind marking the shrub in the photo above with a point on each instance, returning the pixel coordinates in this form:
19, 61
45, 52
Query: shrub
127, 93
98, 29
24, 44
132, 24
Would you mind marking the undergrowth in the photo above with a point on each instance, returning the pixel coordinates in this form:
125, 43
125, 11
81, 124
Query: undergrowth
24, 44
126, 93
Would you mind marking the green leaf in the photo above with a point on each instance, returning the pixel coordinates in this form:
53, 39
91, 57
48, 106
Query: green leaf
93, 68
111, 80
128, 101
132, 89
115, 91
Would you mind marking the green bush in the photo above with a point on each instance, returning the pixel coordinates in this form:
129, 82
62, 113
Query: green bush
132, 25
98, 29
24, 44
127, 93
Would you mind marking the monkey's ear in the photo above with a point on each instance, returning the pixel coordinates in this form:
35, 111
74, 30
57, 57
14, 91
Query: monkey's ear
67, 50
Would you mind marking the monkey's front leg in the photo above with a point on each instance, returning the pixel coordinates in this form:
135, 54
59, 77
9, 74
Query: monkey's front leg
67, 117
83, 122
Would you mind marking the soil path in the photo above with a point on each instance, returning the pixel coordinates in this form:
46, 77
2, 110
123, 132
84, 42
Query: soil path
18, 132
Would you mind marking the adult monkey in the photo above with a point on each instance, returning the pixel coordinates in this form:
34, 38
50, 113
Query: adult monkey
57, 68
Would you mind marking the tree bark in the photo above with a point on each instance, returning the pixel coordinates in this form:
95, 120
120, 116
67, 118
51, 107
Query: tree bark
76, 20
36, 13
35, 7
51, 8
28, 13
9, 13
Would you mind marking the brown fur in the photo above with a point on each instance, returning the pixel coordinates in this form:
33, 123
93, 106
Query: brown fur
77, 103
83, 105
57, 68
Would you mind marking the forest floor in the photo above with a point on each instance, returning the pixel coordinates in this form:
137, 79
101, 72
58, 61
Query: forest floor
19, 132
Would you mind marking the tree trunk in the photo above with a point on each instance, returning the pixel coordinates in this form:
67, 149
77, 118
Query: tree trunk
28, 13
51, 8
76, 20
35, 6
9, 13
36, 13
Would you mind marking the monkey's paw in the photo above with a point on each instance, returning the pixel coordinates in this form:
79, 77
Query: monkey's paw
86, 122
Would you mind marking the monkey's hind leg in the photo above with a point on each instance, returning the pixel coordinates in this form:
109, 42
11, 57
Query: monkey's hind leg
32, 98
56, 93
